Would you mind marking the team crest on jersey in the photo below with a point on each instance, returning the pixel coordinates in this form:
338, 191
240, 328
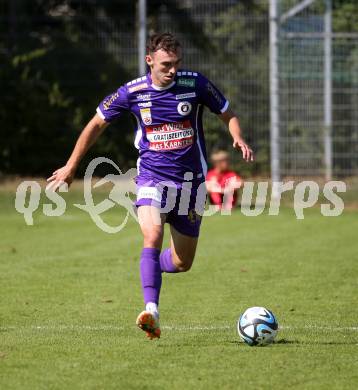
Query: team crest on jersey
186, 82
184, 108
146, 115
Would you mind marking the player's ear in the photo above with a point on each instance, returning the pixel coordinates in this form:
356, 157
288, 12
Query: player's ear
149, 60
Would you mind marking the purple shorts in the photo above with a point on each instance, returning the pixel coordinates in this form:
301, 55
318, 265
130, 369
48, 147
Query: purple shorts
182, 206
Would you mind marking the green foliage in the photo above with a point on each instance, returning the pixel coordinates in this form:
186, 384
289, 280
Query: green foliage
345, 16
52, 79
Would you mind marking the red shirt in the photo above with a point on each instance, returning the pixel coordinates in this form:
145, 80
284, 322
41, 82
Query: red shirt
220, 180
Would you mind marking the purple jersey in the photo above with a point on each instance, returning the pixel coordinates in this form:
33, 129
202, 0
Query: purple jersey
169, 133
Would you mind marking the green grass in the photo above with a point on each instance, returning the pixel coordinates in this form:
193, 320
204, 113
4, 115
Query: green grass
70, 295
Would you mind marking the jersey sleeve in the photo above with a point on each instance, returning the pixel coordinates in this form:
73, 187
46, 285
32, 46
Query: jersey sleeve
114, 105
211, 96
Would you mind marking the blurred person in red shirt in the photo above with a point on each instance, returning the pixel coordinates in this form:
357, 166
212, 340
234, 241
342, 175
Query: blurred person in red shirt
222, 183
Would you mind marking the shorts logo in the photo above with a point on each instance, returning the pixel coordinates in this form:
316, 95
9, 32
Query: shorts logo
138, 87
145, 104
184, 108
143, 96
193, 216
149, 193
146, 116
186, 83
185, 95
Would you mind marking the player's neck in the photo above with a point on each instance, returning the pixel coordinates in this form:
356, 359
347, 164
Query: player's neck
220, 171
158, 83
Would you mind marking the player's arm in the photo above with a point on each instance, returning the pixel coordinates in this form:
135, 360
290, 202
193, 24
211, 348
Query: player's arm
87, 138
216, 198
233, 124
213, 186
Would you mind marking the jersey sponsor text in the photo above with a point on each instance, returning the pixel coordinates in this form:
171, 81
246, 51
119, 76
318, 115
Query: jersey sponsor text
170, 136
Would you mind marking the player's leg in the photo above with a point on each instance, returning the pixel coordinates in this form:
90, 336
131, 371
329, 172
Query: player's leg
152, 226
151, 223
184, 228
184, 239
182, 248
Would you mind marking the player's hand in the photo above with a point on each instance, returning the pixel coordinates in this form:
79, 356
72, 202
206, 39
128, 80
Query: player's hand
59, 177
232, 184
247, 153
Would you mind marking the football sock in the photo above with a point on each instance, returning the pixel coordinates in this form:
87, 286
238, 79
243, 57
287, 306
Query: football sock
152, 307
166, 261
151, 275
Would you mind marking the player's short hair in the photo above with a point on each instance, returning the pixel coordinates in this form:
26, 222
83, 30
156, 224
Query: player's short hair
219, 155
165, 41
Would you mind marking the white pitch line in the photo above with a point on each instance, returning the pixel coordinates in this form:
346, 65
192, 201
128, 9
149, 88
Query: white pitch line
195, 327
226, 327
110, 327
333, 328
184, 328
65, 327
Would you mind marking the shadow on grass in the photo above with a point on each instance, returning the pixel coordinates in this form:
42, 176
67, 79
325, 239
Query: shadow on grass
286, 341
298, 342
313, 342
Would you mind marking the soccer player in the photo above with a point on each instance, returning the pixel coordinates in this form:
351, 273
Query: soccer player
167, 104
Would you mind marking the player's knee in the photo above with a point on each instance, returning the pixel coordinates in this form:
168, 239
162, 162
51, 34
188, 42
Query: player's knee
183, 264
151, 242
184, 267
152, 239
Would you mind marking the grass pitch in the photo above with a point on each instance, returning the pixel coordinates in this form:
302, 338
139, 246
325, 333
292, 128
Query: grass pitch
70, 295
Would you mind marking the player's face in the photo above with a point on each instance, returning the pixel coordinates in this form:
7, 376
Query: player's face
163, 66
222, 165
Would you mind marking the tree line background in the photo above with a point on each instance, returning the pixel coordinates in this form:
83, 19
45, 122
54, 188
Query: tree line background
59, 58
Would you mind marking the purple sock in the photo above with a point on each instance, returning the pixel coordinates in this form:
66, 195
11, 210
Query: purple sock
166, 262
151, 274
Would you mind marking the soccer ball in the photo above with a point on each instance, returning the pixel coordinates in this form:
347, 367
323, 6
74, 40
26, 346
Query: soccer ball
257, 326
